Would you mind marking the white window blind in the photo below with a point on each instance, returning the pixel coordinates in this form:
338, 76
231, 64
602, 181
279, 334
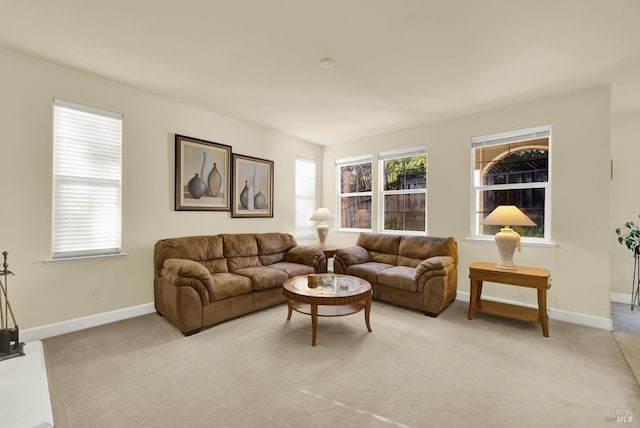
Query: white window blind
87, 168
509, 137
305, 197
400, 153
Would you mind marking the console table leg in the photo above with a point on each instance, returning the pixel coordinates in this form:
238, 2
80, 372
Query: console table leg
542, 310
476, 290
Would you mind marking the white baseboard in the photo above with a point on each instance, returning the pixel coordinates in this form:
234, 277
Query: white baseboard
620, 298
56, 329
50, 330
556, 314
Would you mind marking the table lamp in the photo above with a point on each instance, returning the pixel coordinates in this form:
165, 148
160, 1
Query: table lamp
507, 239
322, 215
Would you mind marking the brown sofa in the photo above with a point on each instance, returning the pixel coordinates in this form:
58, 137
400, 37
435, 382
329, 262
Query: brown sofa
203, 280
418, 272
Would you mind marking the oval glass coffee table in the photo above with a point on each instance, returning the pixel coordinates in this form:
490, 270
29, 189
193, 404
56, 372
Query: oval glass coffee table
327, 295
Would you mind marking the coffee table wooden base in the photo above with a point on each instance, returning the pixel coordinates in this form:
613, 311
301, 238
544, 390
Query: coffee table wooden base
327, 306
329, 311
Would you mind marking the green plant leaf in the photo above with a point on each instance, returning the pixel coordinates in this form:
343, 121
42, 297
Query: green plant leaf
630, 237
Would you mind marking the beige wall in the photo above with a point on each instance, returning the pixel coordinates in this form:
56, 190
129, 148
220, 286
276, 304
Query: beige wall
47, 293
625, 193
579, 264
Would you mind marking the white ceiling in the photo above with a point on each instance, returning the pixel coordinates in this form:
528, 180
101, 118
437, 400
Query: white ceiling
397, 63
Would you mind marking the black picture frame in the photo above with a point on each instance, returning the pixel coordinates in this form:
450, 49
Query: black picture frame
193, 159
252, 187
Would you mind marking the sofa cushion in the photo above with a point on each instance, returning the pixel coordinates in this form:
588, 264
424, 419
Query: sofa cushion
305, 255
379, 242
415, 249
382, 248
401, 277
241, 251
227, 285
182, 272
236, 263
216, 266
389, 259
292, 269
352, 255
269, 259
272, 247
208, 250
368, 271
263, 277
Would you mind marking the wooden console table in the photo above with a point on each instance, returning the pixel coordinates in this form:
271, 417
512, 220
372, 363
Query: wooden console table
523, 277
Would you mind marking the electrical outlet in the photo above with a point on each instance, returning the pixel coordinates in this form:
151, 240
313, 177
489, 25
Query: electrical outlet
95, 294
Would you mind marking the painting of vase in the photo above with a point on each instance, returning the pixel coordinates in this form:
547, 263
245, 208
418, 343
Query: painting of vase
214, 181
252, 187
203, 175
260, 201
207, 166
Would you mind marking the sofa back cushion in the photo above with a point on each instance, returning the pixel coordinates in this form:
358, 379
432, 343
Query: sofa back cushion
273, 247
414, 249
382, 248
207, 250
240, 250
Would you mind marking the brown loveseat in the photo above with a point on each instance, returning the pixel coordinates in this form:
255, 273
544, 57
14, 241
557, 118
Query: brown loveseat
418, 272
203, 280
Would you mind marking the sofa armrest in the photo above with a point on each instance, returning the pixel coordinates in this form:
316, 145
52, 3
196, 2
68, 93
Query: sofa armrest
345, 257
434, 266
310, 256
188, 273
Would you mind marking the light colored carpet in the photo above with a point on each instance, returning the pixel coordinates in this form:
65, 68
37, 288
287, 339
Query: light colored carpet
412, 371
629, 345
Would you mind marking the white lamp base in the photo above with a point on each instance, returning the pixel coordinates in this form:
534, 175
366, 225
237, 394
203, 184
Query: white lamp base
323, 231
507, 241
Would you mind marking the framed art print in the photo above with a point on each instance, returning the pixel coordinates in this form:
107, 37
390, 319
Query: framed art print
252, 187
203, 175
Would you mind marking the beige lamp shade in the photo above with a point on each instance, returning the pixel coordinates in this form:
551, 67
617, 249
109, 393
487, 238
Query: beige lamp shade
508, 215
507, 240
322, 215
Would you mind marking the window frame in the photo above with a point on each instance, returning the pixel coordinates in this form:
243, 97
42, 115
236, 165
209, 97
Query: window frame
348, 162
504, 138
308, 224
61, 177
399, 154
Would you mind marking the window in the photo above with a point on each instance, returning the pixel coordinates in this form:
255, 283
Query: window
305, 197
87, 168
512, 168
404, 190
354, 178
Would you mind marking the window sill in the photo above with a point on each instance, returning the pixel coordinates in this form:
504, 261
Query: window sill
353, 230
85, 258
385, 232
523, 242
